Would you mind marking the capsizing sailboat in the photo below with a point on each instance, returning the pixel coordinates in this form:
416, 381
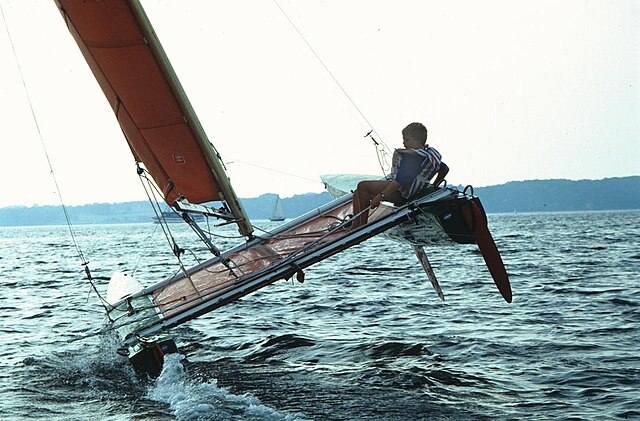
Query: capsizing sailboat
171, 147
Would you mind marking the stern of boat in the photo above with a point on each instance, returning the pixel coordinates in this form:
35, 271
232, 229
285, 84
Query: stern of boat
128, 314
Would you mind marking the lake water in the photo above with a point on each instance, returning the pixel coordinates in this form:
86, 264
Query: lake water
365, 337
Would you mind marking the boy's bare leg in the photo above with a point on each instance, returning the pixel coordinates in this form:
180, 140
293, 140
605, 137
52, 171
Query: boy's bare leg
362, 196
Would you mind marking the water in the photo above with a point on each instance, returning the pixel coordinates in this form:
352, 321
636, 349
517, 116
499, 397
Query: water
365, 337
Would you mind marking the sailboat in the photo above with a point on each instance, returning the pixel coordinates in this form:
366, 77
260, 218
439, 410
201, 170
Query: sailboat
172, 149
278, 212
170, 217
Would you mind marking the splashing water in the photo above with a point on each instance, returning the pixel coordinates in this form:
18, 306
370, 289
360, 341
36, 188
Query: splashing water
191, 399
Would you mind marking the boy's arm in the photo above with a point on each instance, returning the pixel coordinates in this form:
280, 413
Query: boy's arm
442, 173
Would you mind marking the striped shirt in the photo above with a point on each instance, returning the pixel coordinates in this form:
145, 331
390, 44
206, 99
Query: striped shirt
429, 164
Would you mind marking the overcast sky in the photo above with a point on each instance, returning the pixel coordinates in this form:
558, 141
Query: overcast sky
510, 90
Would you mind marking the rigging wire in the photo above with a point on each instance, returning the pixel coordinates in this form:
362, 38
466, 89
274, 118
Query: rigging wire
283, 259
155, 204
382, 150
150, 190
382, 153
42, 143
144, 250
72, 233
272, 170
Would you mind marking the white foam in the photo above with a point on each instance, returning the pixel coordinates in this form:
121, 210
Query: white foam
191, 399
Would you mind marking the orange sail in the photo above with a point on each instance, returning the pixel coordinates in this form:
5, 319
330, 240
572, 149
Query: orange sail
151, 106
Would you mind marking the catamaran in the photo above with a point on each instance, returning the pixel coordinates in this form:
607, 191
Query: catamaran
173, 150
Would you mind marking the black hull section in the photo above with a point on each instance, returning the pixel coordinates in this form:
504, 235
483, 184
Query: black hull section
453, 221
150, 360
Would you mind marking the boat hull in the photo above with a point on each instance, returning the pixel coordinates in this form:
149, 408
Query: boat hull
127, 315
438, 218
283, 253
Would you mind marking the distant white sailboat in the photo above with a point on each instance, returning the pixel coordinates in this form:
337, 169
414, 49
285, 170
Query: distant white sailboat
278, 213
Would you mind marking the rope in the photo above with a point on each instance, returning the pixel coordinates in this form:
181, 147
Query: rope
144, 250
67, 218
176, 304
208, 231
285, 259
177, 251
153, 200
273, 170
385, 148
44, 147
382, 153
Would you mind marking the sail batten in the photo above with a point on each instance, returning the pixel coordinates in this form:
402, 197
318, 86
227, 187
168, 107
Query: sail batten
156, 117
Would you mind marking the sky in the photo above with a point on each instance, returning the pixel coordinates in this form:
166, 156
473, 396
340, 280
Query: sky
509, 90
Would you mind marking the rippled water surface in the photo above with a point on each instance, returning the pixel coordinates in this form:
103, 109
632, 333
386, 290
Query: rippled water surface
365, 337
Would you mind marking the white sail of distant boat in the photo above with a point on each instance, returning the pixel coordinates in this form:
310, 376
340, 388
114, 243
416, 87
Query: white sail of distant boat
278, 212
177, 161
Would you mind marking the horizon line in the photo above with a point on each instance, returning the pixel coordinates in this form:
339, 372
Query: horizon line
142, 200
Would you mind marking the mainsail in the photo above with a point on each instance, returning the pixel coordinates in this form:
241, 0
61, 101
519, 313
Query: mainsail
155, 115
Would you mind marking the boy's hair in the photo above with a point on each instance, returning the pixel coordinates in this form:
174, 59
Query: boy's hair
416, 130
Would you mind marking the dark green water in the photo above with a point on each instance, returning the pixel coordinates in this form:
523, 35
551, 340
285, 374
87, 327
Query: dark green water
365, 337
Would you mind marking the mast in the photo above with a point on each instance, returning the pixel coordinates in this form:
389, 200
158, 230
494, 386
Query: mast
125, 55
210, 154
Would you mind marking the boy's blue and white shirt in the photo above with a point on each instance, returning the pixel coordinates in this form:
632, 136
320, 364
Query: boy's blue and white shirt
432, 159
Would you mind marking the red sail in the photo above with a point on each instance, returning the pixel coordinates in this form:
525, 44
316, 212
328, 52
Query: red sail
155, 116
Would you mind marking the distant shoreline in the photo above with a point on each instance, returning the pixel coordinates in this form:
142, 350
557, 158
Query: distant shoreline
532, 196
150, 221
